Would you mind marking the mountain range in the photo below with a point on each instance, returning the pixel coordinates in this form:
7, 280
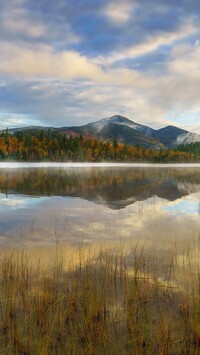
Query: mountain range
126, 131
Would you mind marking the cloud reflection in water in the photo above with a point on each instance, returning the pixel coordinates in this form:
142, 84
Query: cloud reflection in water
41, 206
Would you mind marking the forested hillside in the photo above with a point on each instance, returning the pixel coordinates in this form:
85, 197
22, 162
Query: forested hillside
192, 148
49, 145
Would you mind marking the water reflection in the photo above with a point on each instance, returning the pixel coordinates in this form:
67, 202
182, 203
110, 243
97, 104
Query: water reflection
115, 188
98, 204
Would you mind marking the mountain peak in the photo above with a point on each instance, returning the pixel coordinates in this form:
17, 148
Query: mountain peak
119, 118
171, 127
172, 135
116, 119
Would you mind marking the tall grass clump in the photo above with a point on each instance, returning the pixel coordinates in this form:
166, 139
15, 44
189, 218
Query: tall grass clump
112, 301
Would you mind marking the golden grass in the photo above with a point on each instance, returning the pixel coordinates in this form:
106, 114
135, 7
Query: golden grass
112, 301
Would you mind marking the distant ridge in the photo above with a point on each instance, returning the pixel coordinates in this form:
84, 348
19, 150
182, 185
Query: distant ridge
126, 131
130, 132
172, 136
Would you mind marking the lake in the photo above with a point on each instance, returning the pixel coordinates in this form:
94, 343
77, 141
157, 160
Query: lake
107, 254
88, 204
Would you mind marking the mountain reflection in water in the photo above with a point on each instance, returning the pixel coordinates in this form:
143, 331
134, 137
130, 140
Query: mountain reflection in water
39, 206
115, 188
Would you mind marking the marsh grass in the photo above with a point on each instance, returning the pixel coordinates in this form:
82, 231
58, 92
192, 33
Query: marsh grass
112, 301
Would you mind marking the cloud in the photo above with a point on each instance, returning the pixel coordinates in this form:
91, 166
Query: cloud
2, 84
151, 43
24, 26
186, 61
16, 120
182, 83
119, 12
22, 21
68, 62
43, 61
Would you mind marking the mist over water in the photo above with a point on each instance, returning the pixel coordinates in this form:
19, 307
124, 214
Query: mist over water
16, 165
94, 203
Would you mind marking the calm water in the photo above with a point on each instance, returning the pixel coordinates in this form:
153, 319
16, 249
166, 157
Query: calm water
88, 205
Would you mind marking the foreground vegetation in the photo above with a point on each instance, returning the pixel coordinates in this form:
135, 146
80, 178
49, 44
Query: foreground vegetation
113, 301
50, 145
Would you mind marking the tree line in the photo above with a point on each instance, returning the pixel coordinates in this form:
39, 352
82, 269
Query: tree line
51, 145
191, 148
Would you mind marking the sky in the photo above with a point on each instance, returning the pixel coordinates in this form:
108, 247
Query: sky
70, 62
